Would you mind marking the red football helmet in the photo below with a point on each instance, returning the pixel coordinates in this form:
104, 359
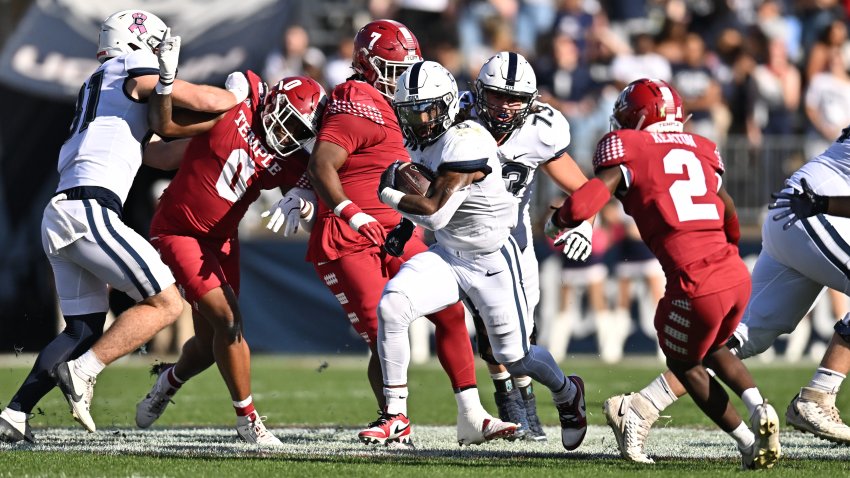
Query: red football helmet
383, 49
649, 105
291, 114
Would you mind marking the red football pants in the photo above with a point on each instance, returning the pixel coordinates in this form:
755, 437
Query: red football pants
358, 280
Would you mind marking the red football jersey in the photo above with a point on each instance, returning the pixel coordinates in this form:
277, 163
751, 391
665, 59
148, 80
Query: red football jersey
360, 120
222, 173
673, 179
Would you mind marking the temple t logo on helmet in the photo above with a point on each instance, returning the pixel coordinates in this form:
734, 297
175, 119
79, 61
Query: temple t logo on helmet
650, 105
291, 114
426, 102
383, 49
127, 31
505, 89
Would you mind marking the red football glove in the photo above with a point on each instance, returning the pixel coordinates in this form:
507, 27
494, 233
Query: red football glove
366, 225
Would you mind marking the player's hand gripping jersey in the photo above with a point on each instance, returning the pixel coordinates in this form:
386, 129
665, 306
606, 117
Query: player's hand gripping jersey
361, 121
223, 172
672, 181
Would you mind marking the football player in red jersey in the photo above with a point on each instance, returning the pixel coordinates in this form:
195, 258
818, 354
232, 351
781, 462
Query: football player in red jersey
256, 145
670, 183
360, 137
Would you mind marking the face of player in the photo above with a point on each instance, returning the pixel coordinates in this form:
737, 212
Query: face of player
285, 130
423, 120
502, 106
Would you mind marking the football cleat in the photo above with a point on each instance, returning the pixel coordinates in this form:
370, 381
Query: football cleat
78, 392
631, 417
814, 411
388, 429
13, 431
475, 430
535, 428
766, 450
512, 409
252, 430
153, 405
573, 417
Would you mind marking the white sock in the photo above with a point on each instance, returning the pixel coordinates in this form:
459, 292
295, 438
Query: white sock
827, 380
396, 400
658, 392
243, 403
522, 381
469, 401
89, 365
752, 398
743, 436
500, 375
15, 415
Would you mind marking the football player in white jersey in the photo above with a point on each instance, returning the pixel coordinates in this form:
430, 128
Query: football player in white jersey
530, 135
804, 250
88, 245
474, 258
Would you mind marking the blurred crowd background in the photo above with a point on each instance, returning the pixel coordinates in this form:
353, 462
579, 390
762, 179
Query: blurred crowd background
765, 79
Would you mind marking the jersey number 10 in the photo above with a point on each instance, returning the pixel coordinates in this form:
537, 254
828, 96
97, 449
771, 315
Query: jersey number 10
683, 191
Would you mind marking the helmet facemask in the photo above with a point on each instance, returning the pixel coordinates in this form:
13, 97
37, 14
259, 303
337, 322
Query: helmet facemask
502, 111
386, 73
424, 121
286, 129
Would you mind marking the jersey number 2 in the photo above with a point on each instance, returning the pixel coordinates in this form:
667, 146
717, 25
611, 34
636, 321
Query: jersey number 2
683, 191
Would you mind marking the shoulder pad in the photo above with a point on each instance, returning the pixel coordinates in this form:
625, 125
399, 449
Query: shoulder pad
354, 98
610, 150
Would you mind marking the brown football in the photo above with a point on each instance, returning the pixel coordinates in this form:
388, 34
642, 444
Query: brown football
412, 178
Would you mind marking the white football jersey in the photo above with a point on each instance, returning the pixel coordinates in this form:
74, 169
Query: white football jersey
828, 173
485, 218
544, 136
105, 145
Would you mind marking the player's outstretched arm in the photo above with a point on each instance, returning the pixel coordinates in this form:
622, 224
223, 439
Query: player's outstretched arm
163, 155
167, 121
588, 199
565, 173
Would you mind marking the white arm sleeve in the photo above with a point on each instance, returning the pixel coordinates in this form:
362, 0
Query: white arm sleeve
439, 219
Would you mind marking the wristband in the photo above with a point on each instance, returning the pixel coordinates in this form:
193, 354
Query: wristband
162, 89
391, 197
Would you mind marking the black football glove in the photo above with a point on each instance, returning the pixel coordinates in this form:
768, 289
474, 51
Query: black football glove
398, 237
798, 205
388, 177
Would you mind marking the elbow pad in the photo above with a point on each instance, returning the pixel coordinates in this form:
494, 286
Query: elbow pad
582, 204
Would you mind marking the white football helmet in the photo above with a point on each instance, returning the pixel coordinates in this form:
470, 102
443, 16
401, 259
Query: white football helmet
505, 89
426, 102
127, 31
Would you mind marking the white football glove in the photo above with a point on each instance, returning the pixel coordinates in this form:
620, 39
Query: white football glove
237, 84
577, 241
297, 205
168, 55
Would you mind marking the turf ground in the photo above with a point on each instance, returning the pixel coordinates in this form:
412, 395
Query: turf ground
317, 404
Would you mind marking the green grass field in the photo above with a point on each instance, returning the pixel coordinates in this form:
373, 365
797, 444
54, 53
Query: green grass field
316, 405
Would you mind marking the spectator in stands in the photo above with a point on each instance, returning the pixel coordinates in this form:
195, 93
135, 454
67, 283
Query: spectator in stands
338, 67
827, 105
643, 62
290, 57
698, 88
831, 41
778, 84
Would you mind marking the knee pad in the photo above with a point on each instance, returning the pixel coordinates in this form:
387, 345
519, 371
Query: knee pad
842, 328
85, 329
395, 310
482, 341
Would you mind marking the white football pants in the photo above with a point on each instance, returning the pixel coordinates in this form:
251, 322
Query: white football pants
439, 277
